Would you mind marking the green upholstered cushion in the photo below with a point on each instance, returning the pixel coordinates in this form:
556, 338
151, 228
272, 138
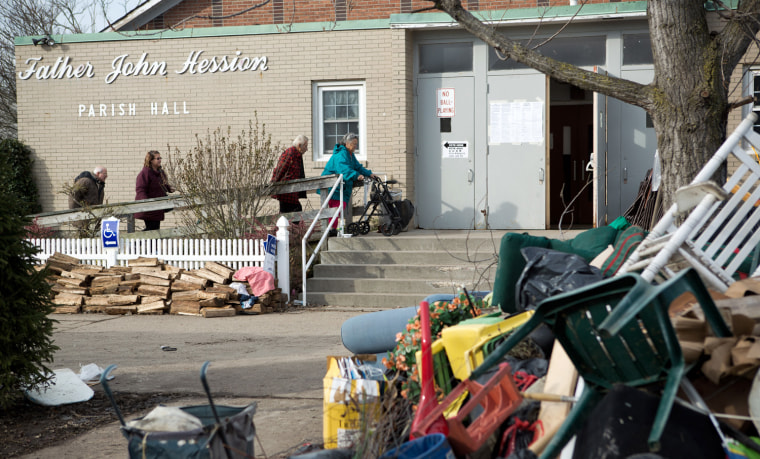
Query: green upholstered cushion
587, 244
511, 265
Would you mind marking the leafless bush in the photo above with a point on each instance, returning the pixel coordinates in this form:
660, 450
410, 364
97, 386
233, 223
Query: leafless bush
229, 177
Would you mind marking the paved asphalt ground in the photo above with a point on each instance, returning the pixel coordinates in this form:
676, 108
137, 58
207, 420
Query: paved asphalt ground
277, 360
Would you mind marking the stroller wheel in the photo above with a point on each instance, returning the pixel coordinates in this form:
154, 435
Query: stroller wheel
387, 230
352, 228
364, 227
396, 228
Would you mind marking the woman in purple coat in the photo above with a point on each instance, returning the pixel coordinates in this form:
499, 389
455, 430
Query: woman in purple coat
151, 183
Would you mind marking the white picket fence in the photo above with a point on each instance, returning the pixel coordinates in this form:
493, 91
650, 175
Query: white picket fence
182, 253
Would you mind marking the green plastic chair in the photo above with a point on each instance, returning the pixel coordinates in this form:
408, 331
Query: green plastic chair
616, 331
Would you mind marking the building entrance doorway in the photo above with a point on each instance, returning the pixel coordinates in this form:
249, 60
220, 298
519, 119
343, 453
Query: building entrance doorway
571, 142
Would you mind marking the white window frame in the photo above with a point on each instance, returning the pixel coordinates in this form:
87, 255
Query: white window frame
318, 89
753, 73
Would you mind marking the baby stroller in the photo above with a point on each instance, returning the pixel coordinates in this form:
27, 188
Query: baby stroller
396, 214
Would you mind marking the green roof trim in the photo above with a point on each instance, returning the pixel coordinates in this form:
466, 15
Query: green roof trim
514, 14
204, 32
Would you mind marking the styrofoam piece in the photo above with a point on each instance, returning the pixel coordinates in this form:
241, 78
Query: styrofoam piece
65, 387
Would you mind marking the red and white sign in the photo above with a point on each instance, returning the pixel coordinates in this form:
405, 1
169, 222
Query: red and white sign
445, 102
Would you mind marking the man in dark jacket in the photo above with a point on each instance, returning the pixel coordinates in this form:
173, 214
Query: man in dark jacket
89, 188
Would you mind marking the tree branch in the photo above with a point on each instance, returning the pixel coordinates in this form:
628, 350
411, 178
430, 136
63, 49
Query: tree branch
627, 91
738, 33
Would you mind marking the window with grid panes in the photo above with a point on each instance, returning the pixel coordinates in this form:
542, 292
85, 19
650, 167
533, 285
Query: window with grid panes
339, 110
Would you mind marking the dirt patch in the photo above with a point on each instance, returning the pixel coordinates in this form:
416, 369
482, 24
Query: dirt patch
27, 427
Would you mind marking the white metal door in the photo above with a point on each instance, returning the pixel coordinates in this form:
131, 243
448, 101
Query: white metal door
444, 172
517, 127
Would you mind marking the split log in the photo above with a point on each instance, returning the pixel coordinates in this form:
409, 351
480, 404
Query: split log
155, 307
98, 300
154, 290
118, 270
88, 270
121, 310
105, 281
228, 292
210, 275
212, 303
123, 300
193, 295
76, 275
151, 271
63, 258
134, 283
89, 267
68, 282
185, 307
223, 295
125, 289
180, 285
150, 280
131, 276
68, 299
194, 279
151, 299
107, 290
220, 269
173, 269
58, 268
142, 261
67, 310
58, 288
218, 312
95, 308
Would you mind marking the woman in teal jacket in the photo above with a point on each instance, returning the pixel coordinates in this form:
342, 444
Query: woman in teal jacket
344, 162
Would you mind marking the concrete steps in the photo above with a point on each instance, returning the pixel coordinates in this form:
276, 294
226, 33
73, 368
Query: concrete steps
375, 271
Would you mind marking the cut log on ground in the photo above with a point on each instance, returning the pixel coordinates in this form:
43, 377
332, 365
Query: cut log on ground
218, 312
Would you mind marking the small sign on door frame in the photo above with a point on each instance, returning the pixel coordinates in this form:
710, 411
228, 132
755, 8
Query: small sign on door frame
445, 105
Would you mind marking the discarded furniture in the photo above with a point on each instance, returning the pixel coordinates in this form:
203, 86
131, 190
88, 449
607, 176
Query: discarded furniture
494, 401
718, 233
616, 331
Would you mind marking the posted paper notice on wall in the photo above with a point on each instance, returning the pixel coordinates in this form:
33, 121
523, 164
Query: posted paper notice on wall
455, 150
516, 122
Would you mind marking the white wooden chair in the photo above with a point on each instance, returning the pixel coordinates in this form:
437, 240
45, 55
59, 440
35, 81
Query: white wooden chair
718, 229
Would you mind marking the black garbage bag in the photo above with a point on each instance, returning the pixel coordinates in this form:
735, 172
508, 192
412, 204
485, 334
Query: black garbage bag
550, 272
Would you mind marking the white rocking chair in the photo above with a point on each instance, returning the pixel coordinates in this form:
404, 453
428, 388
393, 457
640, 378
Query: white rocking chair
718, 230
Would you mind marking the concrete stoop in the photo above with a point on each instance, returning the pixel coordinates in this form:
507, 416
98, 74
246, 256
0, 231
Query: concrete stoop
375, 271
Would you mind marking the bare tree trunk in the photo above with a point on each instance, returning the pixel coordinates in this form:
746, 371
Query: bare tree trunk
690, 103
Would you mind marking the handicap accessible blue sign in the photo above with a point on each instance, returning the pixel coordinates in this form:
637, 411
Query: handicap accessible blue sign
270, 245
270, 251
109, 233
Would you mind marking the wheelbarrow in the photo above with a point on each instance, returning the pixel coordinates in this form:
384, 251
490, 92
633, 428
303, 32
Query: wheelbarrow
227, 431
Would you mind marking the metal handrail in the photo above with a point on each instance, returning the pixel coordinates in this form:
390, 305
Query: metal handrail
338, 214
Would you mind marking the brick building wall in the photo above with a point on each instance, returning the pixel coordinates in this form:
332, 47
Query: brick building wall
66, 141
198, 13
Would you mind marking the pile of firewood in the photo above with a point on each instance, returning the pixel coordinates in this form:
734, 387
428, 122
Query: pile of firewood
149, 286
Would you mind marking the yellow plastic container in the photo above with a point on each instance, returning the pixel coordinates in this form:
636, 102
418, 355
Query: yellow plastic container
462, 344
